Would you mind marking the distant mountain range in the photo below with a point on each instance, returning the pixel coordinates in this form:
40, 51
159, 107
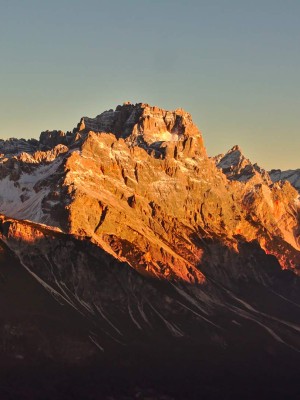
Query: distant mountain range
130, 256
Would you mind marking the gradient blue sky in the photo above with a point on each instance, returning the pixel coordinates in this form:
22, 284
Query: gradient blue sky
234, 64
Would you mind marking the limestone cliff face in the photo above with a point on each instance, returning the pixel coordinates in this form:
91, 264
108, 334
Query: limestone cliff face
137, 182
153, 205
148, 127
272, 208
131, 233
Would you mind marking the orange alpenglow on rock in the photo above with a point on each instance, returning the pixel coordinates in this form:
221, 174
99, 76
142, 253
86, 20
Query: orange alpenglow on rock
138, 182
123, 237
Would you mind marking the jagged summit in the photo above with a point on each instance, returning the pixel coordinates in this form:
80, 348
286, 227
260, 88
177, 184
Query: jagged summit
141, 118
145, 126
237, 167
233, 157
149, 127
144, 169
156, 249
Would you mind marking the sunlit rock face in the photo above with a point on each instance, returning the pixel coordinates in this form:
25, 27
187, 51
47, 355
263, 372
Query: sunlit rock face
137, 182
272, 205
136, 242
146, 126
163, 196
237, 167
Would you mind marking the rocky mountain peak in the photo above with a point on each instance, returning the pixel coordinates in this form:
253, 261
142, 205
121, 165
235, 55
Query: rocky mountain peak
144, 241
139, 176
146, 126
237, 167
233, 158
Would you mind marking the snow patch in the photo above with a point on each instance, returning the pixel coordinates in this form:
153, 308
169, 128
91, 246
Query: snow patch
18, 199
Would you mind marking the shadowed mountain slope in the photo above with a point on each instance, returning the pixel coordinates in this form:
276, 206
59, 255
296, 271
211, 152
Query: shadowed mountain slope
128, 249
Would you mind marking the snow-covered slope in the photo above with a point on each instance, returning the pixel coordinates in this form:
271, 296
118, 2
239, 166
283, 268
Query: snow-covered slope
26, 197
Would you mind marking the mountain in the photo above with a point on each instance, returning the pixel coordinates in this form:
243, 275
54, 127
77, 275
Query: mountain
237, 167
292, 176
150, 256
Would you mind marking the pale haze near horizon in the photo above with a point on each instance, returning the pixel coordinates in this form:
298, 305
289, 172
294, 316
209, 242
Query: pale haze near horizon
234, 65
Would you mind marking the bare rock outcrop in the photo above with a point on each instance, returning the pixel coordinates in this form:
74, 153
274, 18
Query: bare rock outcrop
123, 238
237, 167
137, 181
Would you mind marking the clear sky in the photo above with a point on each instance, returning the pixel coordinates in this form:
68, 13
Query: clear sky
234, 64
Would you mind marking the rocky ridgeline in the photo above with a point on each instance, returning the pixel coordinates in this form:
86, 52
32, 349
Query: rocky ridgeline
15, 146
146, 126
292, 176
137, 181
123, 238
237, 167
47, 141
139, 124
